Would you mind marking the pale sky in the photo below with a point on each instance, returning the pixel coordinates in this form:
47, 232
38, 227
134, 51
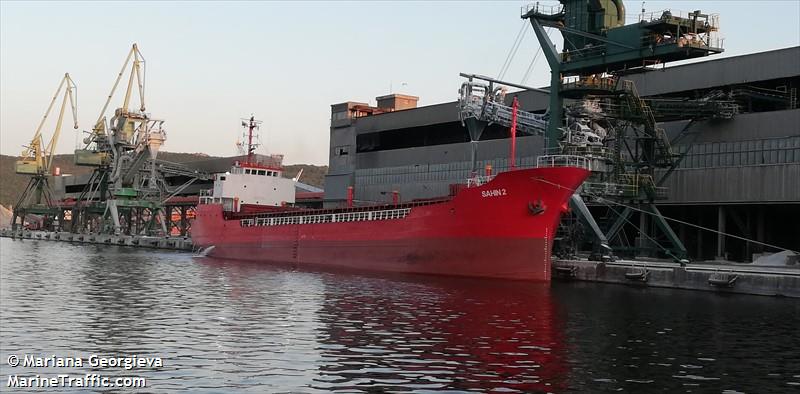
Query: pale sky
211, 63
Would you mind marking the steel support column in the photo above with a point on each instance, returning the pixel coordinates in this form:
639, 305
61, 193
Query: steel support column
184, 222
643, 234
760, 227
679, 250
700, 236
619, 223
556, 110
721, 228
601, 242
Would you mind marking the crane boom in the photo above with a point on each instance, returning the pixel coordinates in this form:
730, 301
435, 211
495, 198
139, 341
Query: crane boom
138, 59
37, 159
36, 141
68, 95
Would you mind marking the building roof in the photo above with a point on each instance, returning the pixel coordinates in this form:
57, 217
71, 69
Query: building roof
720, 71
753, 67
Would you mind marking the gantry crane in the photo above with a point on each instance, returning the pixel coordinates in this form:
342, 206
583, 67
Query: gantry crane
599, 49
118, 149
99, 150
127, 190
596, 114
37, 161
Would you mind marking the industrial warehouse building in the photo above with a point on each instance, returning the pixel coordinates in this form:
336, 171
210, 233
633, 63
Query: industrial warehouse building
740, 176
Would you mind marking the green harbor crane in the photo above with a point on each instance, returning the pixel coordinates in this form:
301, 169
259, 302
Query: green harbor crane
594, 112
37, 162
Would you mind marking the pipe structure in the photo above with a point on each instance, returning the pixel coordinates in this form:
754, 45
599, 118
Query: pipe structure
349, 196
514, 107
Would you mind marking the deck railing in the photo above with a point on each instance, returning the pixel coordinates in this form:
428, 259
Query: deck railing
564, 161
479, 180
343, 217
541, 9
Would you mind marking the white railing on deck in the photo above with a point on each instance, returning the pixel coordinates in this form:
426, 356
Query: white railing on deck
327, 218
668, 13
543, 9
479, 180
564, 161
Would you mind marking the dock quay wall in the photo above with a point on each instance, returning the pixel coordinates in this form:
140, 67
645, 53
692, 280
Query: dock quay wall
173, 243
721, 278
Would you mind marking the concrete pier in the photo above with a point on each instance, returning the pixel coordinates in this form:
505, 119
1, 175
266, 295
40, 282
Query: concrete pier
173, 243
722, 278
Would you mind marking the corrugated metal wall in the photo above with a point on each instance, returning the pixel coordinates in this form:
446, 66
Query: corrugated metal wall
745, 184
752, 158
422, 180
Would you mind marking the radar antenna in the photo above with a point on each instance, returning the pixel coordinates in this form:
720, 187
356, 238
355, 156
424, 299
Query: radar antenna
251, 125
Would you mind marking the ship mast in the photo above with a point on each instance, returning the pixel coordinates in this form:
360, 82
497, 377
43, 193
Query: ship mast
251, 124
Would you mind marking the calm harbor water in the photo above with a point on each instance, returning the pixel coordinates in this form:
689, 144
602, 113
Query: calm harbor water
222, 326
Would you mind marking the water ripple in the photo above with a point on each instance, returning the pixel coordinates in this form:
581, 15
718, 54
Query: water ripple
224, 326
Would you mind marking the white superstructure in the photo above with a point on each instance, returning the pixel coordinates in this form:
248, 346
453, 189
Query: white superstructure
254, 184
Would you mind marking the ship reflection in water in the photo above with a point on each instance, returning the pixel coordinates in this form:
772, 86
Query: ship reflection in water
226, 326
401, 332
434, 333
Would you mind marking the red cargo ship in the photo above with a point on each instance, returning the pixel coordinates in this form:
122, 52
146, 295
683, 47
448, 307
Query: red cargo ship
502, 228
497, 226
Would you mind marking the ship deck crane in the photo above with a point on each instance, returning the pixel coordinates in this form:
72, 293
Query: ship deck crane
37, 160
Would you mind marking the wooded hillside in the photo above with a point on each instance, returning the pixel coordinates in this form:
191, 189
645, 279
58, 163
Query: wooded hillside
11, 184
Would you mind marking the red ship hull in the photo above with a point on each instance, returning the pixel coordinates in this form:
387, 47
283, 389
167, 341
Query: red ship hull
502, 229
